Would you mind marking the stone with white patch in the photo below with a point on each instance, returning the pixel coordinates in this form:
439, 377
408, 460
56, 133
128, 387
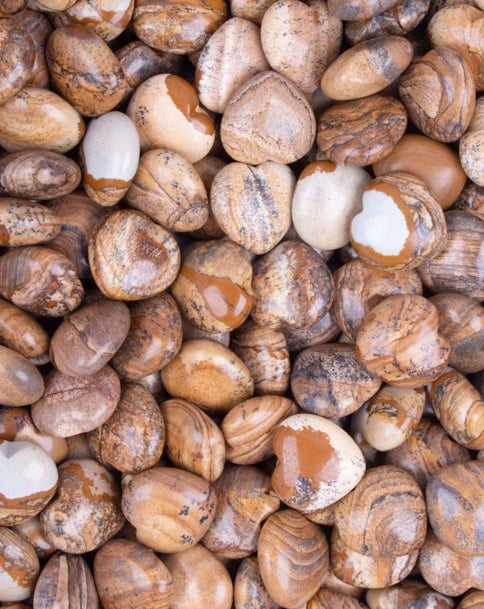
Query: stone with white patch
390, 416
109, 157
401, 224
28, 479
381, 225
19, 567
318, 463
326, 198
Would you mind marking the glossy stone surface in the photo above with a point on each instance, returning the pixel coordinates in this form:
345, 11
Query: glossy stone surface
209, 375
455, 499
390, 416
368, 571
85, 341
144, 268
167, 114
366, 68
248, 125
459, 407
85, 512
243, 501
85, 70
384, 515
154, 338
293, 558
363, 131
21, 381
200, 580
433, 162
387, 342
427, 449
329, 381
401, 224
76, 404
318, 462
133, 437
193, 440
171, 509
291, 266
249, 427
128, 575
360, 287
19, 567
213, 289
28, 479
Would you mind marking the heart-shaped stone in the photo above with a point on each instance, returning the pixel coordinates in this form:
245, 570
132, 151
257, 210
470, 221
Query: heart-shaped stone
268, 119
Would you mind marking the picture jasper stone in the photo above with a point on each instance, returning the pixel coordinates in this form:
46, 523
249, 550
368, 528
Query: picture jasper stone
329, 381
243, 501
177, 26
384, 515
367, 571
200, 580
441, 111
171, 509
22, 384
268, 119
194, 441
318, 463
232, 55
27, 483
417, 228
85, 512
252, 205
362, 131
367, 68
426, 450
17, 51
293, 558
131, 257
461, 572
153, 339
399, 341
300, 41
66, 577
85, 70
125, 569
75, 404
465, 235
56, 289
133, 437
359, 288
39, 118
166, 111
213, 288
19, 567
89, 337
461, 486
397, 20
209, 375
436, 164
169, 190
291, 267
390, 416
353, 10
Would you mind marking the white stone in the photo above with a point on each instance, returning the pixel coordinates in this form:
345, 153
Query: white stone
111, 147
381, 225
10, 589
25, 469
324, 204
